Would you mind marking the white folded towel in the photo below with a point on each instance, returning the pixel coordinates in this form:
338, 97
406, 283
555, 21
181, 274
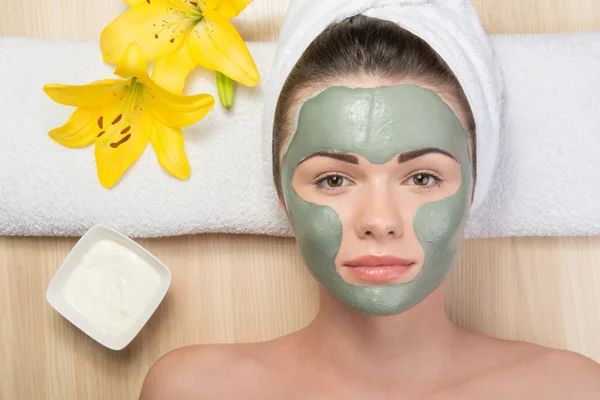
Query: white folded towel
451, 27
547, 181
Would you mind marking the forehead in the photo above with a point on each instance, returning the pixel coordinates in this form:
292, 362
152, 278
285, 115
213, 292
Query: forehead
376, 122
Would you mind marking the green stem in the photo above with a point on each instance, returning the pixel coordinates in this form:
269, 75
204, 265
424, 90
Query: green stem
226, 89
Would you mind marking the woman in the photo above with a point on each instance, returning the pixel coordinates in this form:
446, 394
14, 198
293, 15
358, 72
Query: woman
375, 164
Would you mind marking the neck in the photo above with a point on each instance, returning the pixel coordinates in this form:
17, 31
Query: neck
346, 340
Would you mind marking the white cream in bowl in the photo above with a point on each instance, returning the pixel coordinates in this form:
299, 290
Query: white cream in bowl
109, 286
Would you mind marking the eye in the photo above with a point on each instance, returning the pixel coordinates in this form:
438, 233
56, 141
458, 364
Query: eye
425, 180
331, 181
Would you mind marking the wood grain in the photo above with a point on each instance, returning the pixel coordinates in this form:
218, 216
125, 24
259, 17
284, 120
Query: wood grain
247, 288
262, 19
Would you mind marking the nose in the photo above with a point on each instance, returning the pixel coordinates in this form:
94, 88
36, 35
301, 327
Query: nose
378, 216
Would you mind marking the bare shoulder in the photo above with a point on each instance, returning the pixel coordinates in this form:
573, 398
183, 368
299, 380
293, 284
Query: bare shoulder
203, 371
570, 373
502, 369
555, 374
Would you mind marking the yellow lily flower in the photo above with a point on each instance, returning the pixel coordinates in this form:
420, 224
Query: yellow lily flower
181, 34
122, 115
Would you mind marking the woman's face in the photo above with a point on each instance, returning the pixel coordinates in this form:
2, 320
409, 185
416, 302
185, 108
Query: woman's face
377, 183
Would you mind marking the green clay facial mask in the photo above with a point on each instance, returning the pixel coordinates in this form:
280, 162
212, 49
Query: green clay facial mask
378, 124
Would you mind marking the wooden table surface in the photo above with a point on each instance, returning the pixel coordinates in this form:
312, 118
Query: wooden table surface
247, 288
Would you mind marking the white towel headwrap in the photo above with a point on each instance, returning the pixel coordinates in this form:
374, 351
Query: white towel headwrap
451, 27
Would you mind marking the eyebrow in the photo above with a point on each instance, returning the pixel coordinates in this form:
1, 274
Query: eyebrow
410, 155
402, 158
349, 158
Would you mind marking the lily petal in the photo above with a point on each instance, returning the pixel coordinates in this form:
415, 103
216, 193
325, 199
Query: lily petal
124, 140
135, 3
175, 110
79, 131
132, 63
168, 145
171, 71
99, 94
227, 8
158, 28
215, 44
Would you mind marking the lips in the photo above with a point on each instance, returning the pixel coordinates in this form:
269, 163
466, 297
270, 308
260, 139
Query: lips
378, 269
379, 261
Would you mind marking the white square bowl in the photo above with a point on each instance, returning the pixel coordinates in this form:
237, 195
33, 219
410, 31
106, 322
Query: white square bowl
55, 293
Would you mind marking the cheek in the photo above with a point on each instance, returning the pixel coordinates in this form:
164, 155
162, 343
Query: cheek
439, 227
318, 233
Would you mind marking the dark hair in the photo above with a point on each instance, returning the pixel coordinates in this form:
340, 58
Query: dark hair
365, 46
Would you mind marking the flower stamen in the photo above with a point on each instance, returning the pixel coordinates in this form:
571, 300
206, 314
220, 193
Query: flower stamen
120, 142
168, 26
194, 12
